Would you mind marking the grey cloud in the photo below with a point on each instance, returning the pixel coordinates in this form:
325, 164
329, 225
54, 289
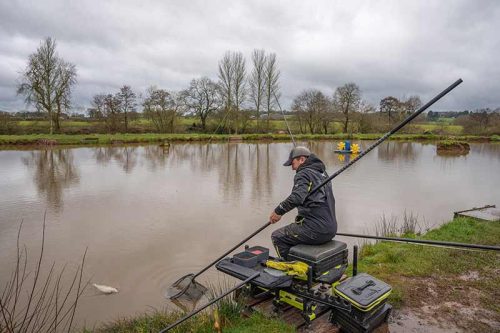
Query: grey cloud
390, 48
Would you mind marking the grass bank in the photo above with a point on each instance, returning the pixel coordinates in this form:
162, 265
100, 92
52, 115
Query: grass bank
229, 321
104, 139
448, 285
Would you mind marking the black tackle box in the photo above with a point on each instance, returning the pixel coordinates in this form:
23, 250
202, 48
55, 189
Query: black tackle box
348, 322
322, 257
363, 291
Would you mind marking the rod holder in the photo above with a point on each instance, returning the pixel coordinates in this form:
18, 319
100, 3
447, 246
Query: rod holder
355, 261
309, 278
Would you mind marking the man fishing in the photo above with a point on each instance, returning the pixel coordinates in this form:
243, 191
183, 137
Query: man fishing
315, 222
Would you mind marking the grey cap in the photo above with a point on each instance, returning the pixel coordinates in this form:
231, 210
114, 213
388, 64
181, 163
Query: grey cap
296, 152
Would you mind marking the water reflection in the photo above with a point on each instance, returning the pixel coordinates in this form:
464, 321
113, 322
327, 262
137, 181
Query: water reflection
126, 157
391, 151
156, 156
231, 162
263, 171
53, 171
491, 150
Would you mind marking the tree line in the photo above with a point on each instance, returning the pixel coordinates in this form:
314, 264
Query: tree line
239, 100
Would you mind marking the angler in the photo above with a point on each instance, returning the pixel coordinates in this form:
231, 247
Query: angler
315, 223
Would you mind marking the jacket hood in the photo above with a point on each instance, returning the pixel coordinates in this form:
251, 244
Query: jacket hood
313, 162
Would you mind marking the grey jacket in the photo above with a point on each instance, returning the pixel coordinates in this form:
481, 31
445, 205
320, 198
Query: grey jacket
318, 210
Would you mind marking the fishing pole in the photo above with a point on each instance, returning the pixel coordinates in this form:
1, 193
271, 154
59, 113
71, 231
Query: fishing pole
424, 242
286, 122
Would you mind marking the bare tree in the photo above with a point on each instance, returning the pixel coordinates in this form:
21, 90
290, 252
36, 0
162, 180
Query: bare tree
346, 99
97, 110
232, 75
128, 103
257, 82
163, 108
412, 104
239, 87
272, 75
390, 105
226, 78
309, 107
67, 79
47, 81
203, 98
112, 112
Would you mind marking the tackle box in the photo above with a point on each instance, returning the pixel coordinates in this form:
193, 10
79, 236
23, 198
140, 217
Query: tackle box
261, 252
364, 292
266, 279
246, 259
351, 324
322, 257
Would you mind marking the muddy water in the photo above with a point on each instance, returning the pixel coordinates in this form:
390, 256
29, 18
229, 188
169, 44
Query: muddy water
149, 215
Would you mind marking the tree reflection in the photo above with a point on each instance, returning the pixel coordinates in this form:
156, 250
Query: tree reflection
230, 172
397, 150
54, 170
234, 164
156, 156
126, 157
263, 171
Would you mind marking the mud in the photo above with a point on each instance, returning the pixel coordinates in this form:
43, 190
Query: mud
439, 304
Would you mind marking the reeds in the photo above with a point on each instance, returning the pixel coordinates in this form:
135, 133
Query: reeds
407, 224
34, 301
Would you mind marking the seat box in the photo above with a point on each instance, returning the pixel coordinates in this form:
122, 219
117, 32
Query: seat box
322, 257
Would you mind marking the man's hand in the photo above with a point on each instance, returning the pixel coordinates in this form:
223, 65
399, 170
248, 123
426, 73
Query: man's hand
274, 217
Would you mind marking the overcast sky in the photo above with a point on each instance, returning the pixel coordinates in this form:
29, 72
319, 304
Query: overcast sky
397, 48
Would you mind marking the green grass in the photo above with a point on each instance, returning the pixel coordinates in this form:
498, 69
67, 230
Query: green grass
46, 124
403, 265
76, 139
440, 127
231, 322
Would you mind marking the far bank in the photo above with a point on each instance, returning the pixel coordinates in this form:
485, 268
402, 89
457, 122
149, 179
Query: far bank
107, 139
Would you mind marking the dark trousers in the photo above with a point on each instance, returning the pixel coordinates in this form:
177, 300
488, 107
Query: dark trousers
293, 234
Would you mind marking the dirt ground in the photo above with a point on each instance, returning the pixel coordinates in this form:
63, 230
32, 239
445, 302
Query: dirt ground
446, 305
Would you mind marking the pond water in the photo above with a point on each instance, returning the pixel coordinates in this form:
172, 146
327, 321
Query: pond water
149, 215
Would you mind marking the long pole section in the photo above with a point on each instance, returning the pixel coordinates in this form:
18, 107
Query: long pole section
189, 315
388, 134
424, 241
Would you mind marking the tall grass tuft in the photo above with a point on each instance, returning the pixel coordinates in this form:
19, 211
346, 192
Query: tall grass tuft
228, 307
32, 301
408, 224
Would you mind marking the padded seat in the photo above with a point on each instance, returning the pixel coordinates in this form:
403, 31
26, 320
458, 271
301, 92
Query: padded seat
317, 253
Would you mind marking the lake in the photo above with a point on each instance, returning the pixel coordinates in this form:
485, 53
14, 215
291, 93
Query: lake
149, 215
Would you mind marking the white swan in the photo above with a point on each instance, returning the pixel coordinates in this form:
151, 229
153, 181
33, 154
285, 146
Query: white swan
105, 289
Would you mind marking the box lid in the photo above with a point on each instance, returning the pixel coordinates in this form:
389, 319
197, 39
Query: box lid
363, 291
